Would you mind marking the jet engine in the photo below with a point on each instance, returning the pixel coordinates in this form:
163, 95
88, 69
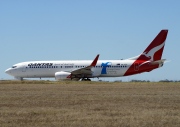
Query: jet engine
62, 75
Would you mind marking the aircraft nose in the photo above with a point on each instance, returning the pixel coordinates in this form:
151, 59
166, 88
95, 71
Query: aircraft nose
8, 71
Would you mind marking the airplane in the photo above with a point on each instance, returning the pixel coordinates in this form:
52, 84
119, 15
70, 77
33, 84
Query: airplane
147, 61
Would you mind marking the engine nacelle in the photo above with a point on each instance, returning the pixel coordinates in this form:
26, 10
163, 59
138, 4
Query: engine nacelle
62, 75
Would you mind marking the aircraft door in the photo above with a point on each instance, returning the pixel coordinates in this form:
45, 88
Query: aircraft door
24, 69
136, 66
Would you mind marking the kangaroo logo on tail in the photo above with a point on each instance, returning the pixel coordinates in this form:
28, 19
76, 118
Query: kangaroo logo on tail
151, 54
154, 51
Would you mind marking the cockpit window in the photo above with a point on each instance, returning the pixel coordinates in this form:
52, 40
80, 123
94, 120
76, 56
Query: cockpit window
14, 66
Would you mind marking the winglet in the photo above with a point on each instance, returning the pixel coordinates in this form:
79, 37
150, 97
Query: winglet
95, 61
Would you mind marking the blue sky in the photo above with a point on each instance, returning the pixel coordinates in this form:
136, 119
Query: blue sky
81, 29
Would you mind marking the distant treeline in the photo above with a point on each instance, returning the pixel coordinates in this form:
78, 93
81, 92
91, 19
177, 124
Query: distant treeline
166, 80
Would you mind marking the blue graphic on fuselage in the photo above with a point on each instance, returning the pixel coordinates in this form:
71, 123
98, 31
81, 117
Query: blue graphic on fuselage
104, 66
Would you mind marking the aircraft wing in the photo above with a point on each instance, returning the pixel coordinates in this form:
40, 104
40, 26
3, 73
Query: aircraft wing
85, 70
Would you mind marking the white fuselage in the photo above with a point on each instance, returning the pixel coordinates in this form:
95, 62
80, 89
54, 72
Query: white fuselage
47, 69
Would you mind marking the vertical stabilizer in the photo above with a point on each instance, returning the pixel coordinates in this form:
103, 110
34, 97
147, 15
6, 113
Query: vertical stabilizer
154, 51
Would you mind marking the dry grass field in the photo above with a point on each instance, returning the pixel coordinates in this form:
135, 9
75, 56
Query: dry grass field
89, 104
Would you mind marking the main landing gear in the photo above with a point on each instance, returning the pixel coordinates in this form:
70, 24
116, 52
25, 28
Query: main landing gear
85, 79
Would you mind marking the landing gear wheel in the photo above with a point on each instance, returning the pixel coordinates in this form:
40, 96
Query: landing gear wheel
83, 79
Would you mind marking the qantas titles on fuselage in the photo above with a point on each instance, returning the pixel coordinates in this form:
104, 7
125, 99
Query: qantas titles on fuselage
147, 61
67, 65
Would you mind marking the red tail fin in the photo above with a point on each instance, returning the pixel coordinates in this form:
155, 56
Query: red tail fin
154, 51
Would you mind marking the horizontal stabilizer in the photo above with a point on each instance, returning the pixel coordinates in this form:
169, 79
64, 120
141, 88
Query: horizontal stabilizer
158, 62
